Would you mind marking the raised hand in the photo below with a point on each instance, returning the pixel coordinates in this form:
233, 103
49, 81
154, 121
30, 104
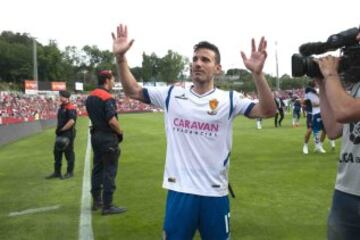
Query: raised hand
121, 43
255, 63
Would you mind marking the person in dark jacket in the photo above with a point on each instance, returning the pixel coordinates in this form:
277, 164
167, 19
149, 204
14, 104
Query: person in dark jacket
106, 135
280, 110
65, 136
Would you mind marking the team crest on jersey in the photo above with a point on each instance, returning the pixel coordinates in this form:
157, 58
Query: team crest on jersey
213, 104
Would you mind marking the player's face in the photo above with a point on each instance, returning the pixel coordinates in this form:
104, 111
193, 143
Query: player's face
204, 66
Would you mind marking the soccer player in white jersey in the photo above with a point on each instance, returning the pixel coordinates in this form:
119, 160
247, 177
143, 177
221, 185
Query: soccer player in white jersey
198, 123
341, 116
316, 125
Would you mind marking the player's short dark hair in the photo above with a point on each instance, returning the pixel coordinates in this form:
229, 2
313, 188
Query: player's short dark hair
103, 75
210, 46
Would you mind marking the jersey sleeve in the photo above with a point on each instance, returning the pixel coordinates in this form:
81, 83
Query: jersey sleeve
242, 105
157, 96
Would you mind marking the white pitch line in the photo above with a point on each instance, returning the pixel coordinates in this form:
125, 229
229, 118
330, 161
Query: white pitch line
34, 210
85, 227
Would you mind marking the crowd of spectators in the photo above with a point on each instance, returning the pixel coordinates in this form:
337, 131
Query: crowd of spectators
16, 107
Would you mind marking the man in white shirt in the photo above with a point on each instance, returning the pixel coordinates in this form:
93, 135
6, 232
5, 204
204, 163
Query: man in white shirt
316, 124
198, 123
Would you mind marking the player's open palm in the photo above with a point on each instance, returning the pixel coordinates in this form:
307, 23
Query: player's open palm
255, 63
121, 43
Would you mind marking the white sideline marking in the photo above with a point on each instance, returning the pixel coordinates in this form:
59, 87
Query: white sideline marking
85, 227
34, 210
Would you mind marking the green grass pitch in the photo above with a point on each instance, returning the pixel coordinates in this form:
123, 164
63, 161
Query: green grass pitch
280, 193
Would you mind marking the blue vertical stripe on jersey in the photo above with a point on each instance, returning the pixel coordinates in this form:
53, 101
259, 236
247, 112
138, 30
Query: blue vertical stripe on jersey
227, 159
231, 94
146, 96
167, 101
248, 110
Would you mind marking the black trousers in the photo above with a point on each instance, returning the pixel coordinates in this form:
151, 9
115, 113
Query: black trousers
105, 164
281, 113
69, 154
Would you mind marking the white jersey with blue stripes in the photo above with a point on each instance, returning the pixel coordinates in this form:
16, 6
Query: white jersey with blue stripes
199, 137
315, 101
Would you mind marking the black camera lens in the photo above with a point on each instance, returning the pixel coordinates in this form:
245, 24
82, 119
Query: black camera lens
297, 65
301, 66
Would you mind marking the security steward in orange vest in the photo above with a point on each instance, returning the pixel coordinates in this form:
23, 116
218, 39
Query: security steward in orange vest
105, 138
65, 135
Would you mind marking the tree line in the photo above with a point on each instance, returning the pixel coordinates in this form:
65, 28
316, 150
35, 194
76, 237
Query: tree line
80, 65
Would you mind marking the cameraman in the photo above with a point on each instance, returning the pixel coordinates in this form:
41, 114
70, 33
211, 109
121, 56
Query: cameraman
341, 117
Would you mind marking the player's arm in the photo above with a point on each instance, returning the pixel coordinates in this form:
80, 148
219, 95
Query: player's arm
266, 106
255, 63
121, 45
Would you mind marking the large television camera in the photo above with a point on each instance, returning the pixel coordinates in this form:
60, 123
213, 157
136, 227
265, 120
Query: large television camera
349, 64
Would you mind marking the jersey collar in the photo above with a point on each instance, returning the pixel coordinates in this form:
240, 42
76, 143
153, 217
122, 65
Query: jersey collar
201, 95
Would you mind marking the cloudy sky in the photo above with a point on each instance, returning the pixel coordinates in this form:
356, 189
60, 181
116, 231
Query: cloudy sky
160, 25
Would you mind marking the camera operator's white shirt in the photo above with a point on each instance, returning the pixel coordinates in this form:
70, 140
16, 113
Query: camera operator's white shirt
315, 100
199, 137
348, 172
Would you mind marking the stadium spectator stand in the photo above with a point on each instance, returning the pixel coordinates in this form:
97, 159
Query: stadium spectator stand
16, 107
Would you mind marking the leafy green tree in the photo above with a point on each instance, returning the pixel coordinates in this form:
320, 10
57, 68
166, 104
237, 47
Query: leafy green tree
18, 38
15, 58
72, 56
15, 62
150, 67
50, 63
72, 64
171, 67
106, 61
92, 56
137, 72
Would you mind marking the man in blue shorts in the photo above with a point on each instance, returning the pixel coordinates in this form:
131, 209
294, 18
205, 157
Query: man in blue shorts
198, 122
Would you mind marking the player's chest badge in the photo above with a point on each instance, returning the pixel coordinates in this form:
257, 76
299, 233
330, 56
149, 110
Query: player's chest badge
213, 104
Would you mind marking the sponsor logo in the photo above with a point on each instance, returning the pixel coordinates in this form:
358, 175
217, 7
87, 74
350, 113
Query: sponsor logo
349, 158
172, 179
355, 133
182, 96
195, 127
